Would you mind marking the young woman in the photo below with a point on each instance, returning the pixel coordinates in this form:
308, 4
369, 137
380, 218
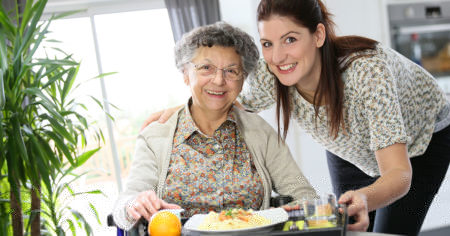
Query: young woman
383, 119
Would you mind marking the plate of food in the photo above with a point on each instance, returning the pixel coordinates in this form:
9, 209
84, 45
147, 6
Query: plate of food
233, 221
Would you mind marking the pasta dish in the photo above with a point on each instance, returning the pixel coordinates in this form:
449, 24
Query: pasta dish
232, 219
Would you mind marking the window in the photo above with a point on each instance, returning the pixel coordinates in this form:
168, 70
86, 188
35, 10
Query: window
138, 45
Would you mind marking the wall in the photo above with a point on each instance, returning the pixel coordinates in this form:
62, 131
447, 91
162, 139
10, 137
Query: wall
351, 17
241, 14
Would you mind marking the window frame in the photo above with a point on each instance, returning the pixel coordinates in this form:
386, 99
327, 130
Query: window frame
90, 9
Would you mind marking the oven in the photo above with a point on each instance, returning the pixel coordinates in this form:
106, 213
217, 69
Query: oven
421, 32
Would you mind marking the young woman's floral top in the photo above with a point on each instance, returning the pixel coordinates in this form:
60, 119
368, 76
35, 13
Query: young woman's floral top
211, 173
387, 99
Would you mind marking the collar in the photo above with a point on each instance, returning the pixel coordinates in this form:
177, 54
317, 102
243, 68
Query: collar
186, 124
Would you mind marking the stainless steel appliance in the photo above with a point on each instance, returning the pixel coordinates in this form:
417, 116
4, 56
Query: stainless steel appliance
421, 32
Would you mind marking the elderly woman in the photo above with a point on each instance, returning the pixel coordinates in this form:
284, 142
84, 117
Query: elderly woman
210, 156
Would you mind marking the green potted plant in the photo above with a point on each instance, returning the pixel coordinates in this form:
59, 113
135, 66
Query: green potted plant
41, 128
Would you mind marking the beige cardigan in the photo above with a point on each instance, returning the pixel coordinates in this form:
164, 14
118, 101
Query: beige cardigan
272, 159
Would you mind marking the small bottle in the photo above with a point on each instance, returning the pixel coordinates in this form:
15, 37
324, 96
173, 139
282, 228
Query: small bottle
416, 49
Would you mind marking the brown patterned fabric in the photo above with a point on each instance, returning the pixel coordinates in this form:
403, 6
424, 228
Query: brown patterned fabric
211, 173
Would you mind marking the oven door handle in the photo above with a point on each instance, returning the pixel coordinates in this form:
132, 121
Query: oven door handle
423, 29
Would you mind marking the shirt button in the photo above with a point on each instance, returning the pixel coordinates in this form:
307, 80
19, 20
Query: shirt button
219, 164
218, 148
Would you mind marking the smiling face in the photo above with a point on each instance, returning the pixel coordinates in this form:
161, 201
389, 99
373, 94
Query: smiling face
215, 94
291, 51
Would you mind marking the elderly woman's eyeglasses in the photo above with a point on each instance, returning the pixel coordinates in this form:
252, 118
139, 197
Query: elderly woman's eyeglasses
232, 73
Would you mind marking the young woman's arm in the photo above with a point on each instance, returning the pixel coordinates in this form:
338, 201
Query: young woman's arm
160, 116
164, 115
394, 182
395, 179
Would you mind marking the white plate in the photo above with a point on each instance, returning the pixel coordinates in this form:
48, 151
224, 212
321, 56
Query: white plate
275, 215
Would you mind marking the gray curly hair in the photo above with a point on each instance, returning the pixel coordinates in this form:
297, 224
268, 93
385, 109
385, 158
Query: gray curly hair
217, 34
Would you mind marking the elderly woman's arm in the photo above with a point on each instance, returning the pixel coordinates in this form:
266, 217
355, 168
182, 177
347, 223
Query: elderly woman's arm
139, 195
286, 175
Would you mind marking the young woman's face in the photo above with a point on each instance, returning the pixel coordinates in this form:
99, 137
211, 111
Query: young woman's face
291, 51
212, 91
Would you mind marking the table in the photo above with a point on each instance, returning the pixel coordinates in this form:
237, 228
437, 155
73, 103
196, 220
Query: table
351, 233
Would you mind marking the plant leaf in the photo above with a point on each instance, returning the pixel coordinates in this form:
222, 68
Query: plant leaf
32, 172
85, 156
31, 28
55, 77
59, 143
95, 213
45, 101
71, 226
40, 158
25, 16
60, 129
103, 75
3, 51
6, 22
54, 160
18, 138
87, 226
69, 13
37, 42
69, 82
89, 192
2, 93
64, 62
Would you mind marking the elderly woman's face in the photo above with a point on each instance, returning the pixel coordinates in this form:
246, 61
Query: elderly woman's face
214, 91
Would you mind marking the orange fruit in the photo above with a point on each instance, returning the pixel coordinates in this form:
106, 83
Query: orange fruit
165, 223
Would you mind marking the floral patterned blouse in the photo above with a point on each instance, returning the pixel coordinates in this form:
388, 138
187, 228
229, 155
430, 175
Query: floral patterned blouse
211, 173
387, 99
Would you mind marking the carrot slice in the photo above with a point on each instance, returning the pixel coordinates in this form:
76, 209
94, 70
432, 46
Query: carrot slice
244, 218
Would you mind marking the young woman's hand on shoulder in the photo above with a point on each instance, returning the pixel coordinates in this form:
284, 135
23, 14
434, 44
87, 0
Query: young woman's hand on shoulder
160, 116
164, 115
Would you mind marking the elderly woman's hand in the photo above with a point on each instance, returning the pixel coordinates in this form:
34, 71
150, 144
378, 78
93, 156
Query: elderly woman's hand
160, 116
357, 207
146, 204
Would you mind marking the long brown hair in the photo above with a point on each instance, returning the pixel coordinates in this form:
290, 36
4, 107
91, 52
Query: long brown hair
335, 58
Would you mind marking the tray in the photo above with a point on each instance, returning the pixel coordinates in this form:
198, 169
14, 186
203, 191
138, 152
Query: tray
339, 230
294, 216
